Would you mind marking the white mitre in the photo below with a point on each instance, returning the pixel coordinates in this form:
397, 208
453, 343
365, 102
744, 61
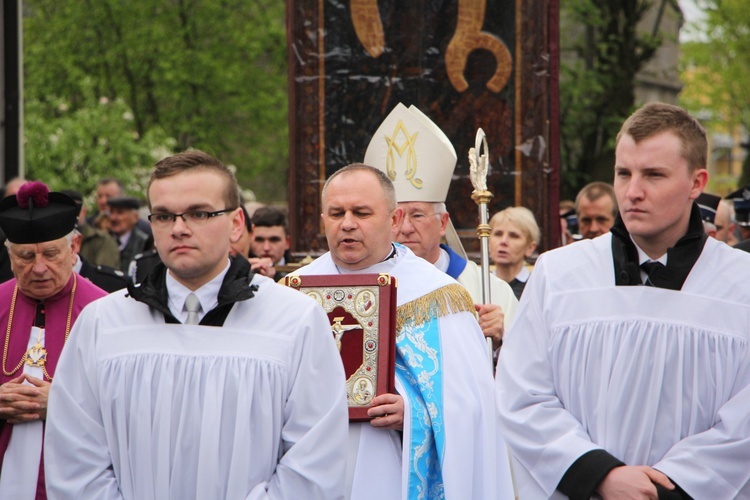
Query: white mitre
418, 158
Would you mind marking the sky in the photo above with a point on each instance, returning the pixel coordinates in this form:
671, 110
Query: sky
692, 14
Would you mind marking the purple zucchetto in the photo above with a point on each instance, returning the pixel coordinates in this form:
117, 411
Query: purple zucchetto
36, 215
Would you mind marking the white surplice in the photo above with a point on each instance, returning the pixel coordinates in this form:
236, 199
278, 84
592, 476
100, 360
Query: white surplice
653, 376
145, 410
20, 472
475, 463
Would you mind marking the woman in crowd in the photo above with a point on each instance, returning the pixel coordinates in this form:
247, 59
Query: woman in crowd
514, 238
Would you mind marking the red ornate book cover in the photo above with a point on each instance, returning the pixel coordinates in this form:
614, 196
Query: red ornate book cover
362, 312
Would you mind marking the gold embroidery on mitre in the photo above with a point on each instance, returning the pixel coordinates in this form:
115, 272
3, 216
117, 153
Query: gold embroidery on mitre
407, 145
445, 300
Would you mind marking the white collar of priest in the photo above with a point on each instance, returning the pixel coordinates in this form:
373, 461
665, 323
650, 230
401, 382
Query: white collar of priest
384, 266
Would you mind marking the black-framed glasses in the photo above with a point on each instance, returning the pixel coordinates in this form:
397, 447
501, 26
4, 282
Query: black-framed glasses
193, 217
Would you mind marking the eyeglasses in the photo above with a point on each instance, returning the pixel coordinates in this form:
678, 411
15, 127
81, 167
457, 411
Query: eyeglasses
193, 217
419, 217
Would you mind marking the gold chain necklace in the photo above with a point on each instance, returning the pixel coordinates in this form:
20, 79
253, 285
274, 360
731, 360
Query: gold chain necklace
36, 355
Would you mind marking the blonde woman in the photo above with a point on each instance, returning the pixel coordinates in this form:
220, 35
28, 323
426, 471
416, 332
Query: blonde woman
514, 238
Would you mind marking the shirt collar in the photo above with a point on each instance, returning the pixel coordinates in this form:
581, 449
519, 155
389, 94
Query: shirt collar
123, 239
643, 257
523, 275
78, 265
207, 294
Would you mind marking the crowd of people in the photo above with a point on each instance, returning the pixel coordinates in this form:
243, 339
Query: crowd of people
160, 358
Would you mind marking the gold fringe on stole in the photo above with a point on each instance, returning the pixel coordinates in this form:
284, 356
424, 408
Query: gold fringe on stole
445, 300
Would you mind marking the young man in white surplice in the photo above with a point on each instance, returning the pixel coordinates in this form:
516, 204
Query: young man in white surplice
627, 371
196, 383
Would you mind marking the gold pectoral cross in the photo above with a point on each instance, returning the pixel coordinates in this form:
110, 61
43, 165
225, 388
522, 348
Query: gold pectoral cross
37, 354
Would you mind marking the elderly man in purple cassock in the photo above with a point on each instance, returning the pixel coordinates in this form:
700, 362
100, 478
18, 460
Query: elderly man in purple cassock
37, 309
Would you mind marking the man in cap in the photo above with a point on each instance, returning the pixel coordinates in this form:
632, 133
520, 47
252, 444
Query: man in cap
419, 159
450, 446
90, 242
646, 394
708, 204
39, 306
198, 383
741, 200
131, 241
97, 246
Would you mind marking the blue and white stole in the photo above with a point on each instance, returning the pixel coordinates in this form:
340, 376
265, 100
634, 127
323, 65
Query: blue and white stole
418, 365
419, 368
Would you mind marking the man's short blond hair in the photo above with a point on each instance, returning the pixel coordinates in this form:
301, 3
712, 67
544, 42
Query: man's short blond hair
657, 117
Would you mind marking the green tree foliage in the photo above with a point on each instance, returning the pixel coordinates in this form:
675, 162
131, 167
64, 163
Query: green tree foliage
73, 148
716, 66
604, 46
211, 75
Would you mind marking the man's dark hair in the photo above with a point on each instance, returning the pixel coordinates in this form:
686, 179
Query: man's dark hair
270, 216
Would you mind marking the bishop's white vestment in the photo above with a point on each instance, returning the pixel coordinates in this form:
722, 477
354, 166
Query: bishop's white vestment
653, 376
451, 444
